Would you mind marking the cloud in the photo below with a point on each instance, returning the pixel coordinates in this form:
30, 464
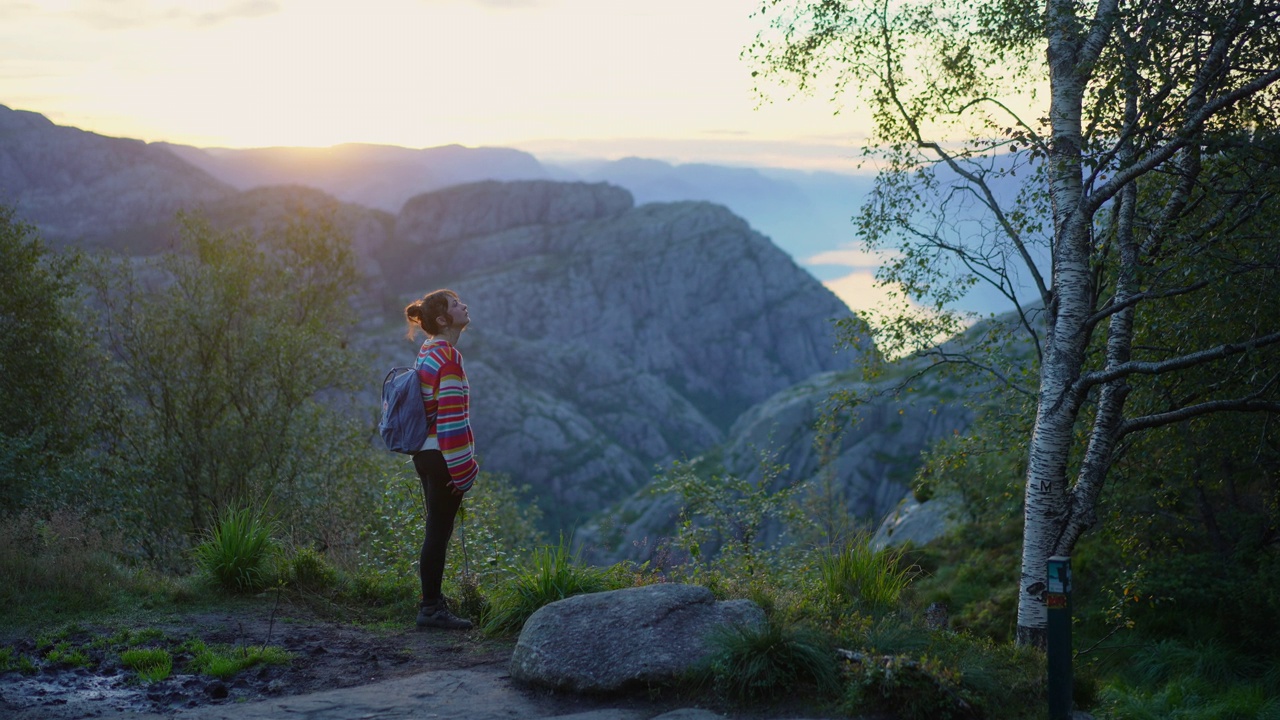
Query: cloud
499, 4
859, 291
128, 14
243, 9
851, 258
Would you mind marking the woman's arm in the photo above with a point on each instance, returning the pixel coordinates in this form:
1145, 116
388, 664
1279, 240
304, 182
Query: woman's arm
453, 422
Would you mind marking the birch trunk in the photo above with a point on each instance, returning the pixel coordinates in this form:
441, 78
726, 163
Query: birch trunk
1070, 304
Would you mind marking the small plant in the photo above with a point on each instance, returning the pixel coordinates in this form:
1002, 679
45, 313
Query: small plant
858, 576
552, 573
767, 662
472, 602
222, 661
13, 661
151, 664
65, 654
309, 570
910, 689
235, 555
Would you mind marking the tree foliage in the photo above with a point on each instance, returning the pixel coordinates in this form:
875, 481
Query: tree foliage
228, 356
1104, 166
43, 368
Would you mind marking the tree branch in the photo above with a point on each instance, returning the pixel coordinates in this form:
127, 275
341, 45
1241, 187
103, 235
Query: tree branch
1189, 130
1106, 375
1147, 422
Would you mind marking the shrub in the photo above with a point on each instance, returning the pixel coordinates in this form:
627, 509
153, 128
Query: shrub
910, 689
236, 553
151, 664
56, 560
308, 569
858, 576
552, 573
767, 662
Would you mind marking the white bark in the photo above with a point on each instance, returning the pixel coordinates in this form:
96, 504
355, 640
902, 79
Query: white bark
1070, 307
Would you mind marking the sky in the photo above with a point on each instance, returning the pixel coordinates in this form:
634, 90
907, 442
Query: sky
593, 77
559, 78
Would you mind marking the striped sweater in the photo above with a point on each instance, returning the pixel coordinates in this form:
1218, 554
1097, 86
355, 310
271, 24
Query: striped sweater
447, 397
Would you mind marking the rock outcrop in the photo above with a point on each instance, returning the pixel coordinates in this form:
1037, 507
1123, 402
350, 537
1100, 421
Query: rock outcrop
606, 339
866, 471
623, 640
916, 522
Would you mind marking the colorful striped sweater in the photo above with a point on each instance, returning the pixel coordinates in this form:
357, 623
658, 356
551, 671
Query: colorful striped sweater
447, 397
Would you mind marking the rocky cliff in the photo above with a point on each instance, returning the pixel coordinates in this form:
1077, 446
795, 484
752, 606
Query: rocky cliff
863, 474
608, 339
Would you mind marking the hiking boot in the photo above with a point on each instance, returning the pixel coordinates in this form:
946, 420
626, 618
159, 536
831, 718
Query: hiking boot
436, 614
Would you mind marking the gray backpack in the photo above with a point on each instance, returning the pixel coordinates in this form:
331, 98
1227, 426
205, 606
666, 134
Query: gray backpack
404, 424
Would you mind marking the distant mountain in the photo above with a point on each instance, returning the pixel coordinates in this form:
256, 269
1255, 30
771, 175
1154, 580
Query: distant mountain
608, 338
804, 213
85, 188
377, 176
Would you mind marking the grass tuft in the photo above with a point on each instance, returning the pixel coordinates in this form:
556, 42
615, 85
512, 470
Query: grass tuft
235, 555
223, 661
552, 573
749, 664
151, 664
857, 576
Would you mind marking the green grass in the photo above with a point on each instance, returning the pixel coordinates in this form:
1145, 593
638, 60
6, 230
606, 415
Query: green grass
13, 661
551, 573
856, 576
236, 554
151, 664
67, 655
223, 661
749, 664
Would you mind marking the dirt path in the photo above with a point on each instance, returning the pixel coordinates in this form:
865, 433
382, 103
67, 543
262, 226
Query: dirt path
338, 672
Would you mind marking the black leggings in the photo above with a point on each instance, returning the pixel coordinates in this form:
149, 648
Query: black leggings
442, 507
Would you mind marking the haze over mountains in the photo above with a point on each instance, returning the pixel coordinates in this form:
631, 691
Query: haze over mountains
610, 336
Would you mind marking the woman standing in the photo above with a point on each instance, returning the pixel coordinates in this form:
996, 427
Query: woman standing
446, 464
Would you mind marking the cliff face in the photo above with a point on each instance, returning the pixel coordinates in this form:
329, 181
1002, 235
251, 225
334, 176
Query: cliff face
608, 339
863, 474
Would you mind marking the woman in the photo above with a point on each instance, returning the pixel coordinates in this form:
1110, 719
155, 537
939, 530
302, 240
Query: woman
446, 464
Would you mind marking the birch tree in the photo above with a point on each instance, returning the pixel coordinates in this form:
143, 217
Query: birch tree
1100, 163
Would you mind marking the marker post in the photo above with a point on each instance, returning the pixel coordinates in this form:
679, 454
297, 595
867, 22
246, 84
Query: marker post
1058, 598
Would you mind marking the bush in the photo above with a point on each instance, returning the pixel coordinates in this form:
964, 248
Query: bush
57, 560
856, 576
308, 569
766, 663
236, 554
910, 689
552, 573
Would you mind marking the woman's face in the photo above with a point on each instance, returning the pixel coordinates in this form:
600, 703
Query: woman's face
458, 315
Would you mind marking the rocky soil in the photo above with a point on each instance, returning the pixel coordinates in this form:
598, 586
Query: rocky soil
338, 670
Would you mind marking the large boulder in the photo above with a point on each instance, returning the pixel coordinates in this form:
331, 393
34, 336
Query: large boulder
616, 641
919, 523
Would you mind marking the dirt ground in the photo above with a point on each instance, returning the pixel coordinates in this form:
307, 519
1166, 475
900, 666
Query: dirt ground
337, 671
